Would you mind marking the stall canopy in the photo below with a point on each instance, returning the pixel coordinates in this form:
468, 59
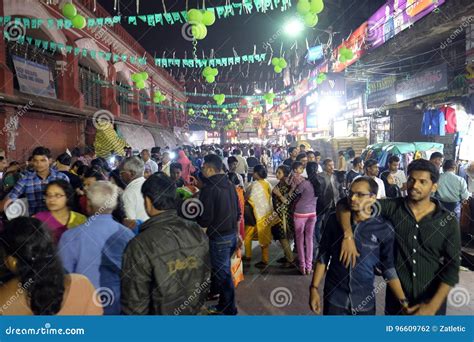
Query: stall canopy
163, 138
137, 137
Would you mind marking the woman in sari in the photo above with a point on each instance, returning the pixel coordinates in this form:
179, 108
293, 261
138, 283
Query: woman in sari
187, 166
260, 199
284, 230
59, 196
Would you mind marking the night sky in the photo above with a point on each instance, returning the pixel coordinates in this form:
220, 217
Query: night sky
242, 33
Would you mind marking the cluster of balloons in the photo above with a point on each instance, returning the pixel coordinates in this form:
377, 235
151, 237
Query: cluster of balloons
191, 112
279, 64
210, 74
234, 111
321, 78
139, 79
225, 111
309, 11
210, 117
219, 98
269, 97
158, 97
345, 55
70, 12
199, 20
204, 111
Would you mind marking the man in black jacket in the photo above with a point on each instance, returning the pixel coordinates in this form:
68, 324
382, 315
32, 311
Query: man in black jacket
220, 215
166, 267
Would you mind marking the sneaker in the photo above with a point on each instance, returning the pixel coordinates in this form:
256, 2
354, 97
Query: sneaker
282, 260
213, 311
261, 264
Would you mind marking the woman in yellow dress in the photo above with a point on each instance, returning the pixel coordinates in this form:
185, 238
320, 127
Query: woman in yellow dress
260, 199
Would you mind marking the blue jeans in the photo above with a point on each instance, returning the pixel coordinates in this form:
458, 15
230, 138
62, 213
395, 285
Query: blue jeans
221, 249
332, 310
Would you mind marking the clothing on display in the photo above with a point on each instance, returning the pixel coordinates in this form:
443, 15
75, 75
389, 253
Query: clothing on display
433, 122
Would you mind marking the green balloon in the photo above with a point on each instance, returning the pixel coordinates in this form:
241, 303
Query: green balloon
78, 22
282, 64
214, 72
199, 31
69, 10
136, 77
140, 84
342, 59
194, 16
207, 71
303, 7
277, 69
275, 61
208, 18
316, 6
144, 75
311, 20
349, 54
210, 79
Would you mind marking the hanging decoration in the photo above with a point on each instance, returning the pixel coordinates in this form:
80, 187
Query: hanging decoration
171, 18
69, 10
269, 97
139, 79
199, 21
191, 112
159, 97
321, 78
309, 11
213, 62
345, 54
210, 74
219, 98
278, 64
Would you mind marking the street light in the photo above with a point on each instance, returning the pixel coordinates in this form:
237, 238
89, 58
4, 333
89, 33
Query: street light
293, 27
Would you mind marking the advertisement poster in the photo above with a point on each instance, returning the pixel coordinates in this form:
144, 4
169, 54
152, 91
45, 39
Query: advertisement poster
34, 78
394, 17
334, 86
356, 43
381, 92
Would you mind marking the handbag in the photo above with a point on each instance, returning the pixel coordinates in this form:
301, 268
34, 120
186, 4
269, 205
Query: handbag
249, 216
236, 267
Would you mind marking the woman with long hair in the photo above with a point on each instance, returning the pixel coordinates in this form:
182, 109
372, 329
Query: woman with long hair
260, 199
36, 278
284, 230
60, 217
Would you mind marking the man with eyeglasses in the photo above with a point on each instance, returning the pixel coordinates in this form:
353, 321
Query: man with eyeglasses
351, 291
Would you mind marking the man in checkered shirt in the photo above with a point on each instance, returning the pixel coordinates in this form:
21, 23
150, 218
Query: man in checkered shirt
33, 184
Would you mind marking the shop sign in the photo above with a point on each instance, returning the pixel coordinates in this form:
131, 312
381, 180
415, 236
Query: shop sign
395, 16
334, 86
34, 78
381, 92
354, 108
356, 43
429, 81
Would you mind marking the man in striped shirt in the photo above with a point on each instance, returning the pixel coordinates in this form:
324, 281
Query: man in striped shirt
427, 244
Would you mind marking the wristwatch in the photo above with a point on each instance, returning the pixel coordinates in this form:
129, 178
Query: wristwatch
404, 303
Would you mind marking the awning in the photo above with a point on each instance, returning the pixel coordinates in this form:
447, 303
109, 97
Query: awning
163, 138
137, 137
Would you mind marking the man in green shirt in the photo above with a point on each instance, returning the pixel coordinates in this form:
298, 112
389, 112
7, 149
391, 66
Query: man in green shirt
427, 243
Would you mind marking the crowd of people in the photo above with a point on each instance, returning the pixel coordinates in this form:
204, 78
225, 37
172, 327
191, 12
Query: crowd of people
155, 233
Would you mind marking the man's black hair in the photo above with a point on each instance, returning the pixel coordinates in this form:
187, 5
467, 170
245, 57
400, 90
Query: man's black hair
436, 155
214, 161
41, 151
161, 190
373, 186
424, 165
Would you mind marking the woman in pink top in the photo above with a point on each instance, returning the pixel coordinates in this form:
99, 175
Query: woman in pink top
37, 284
188, 167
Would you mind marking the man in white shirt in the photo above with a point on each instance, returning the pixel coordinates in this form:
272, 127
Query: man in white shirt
242, 166
165, 163
397, 174
371, 168
131, 172
149, 163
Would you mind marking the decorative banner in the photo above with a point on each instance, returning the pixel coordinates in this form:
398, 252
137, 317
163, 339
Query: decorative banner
34, 78
395, 16
213, 62
429, 81
244, 7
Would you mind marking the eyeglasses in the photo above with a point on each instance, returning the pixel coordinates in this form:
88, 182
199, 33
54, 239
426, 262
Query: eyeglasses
56, 196
359, 194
